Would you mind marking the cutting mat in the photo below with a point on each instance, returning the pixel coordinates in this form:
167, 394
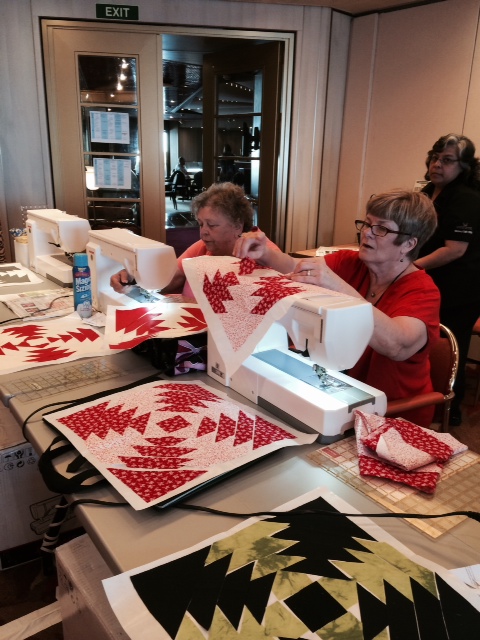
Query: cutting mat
457, 490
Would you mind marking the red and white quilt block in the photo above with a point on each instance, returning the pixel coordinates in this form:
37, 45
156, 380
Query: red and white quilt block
157, 440
240, 300
33, 344
127, 327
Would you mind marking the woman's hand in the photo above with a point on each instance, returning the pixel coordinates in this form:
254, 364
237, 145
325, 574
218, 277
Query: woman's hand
255, 245
119, 281
252, 244
316, 271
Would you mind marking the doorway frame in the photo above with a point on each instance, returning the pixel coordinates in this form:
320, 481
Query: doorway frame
286, 99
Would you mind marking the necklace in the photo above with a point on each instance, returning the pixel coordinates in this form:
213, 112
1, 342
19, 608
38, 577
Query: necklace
373, 294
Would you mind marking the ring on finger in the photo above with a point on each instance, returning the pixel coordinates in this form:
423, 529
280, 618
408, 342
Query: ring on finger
309, 273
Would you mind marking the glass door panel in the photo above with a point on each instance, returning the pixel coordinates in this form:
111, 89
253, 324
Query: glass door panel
241, 124
238, 119
95, 114
105, 124
108, 79
111, 144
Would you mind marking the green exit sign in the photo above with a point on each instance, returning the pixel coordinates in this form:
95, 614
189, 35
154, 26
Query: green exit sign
117, 11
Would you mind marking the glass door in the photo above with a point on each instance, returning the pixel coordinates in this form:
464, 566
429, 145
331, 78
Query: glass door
241, 93
111, 142
106, 118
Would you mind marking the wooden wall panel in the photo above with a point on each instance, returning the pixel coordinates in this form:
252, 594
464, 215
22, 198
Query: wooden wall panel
410, 81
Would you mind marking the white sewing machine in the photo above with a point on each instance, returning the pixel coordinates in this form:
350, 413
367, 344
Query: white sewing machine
151, 263
52, 234
309, 393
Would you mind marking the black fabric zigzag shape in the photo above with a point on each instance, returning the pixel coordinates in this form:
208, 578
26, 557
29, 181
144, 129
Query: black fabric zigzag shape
208, 585
461, 619
253, 595
401, 613
320, 539
166, 590
373, 612
428, 610
236, 584
186, 584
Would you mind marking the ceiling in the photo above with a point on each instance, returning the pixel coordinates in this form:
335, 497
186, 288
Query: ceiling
352, 7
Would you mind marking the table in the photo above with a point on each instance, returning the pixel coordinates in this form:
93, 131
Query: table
312, 253
127, 538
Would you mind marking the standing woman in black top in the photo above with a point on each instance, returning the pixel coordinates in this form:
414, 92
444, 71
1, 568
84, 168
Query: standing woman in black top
452, 255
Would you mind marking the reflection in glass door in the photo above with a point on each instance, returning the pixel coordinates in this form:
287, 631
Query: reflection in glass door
111, 144
238, 123
241, 91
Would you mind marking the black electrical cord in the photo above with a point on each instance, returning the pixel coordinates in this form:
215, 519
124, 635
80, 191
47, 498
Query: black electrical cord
45, 406
474, 515
69, 295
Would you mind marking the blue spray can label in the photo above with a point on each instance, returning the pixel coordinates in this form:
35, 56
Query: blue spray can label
82, 285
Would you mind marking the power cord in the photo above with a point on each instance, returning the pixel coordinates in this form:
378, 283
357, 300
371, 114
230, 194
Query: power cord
69, 295
474, 515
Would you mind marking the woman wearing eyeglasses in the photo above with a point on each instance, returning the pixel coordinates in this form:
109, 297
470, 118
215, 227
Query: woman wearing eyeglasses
405, 299
452, 255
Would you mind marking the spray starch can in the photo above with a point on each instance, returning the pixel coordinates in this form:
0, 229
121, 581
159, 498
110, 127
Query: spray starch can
82, 285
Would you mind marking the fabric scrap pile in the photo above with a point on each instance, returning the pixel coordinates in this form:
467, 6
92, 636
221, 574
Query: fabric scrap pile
398, 450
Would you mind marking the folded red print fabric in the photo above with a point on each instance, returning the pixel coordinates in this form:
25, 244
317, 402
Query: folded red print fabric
401, 451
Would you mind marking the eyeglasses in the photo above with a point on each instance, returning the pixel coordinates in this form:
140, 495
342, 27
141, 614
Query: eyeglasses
378, 229
445, 160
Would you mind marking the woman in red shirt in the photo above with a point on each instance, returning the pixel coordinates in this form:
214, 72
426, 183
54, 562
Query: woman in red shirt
405, 299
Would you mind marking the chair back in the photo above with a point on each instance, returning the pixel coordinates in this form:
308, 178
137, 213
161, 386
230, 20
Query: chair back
444, 361
179, 179
443, 370
198, 180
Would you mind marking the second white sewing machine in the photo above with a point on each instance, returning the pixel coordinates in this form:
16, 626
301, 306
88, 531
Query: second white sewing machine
309, 393
151, 263
52, 236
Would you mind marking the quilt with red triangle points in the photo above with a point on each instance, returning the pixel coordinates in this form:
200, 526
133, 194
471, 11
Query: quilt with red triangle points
34, 344
128, 327
160, 439
240, 300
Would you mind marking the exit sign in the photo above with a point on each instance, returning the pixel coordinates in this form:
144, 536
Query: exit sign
117, 11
